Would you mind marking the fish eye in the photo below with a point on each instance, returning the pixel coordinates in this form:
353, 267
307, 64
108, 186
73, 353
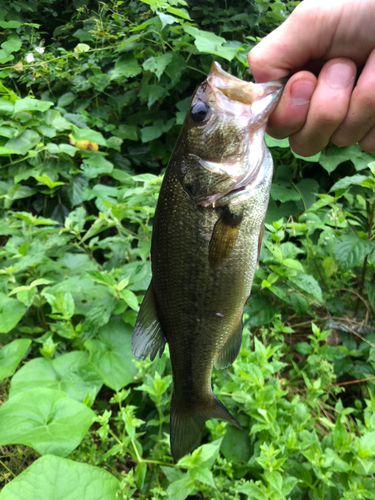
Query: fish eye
200, 111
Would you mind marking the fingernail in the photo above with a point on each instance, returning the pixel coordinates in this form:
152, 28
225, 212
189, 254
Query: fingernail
339, 76
301, 92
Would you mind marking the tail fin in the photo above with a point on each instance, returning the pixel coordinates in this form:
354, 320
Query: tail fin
186, 424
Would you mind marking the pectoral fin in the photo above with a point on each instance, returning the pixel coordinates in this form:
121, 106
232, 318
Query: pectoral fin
148, 337
230, 351
224, 237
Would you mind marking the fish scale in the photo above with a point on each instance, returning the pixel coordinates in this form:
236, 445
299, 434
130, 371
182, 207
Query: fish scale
205, 245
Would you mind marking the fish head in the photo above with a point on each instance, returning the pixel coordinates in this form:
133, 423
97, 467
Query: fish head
223, 135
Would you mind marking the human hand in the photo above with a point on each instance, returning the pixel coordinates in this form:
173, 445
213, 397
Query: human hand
336, 37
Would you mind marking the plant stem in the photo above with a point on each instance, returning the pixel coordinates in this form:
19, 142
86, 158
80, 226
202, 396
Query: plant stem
362, 282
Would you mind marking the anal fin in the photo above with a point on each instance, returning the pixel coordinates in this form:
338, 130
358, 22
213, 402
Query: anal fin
224, 237
148, 337
230, 351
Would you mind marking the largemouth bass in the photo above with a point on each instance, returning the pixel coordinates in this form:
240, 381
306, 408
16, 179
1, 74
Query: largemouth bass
206, 240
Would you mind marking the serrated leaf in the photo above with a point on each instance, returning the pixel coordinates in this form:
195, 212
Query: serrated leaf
61, 479
181, 489
350, 251
299, 303
308, 284
130, 298
71, 373
11, 355
42, 419
202, 475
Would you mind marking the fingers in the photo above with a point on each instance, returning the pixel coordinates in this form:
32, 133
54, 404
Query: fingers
291, 112
358, 125
328, 107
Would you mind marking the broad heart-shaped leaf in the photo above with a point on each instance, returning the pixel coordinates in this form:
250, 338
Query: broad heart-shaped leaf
350, 251
28, 104
71, 373
9, 320
45, 420
10, 356
236, 445
56, 478
27, 140
112, 354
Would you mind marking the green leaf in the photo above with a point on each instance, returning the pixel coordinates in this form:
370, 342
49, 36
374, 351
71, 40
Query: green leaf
71, 373
329, 265
42, 419
130, 298
126, 65
180, 12
44, 179
236, 445
11, 355
299, 303
276, 143
58, 478
202, 475
371, 295
28, 104
158, 64
308, 284
308, 189
87, 134
354, 180
112, 355
9, 321
96, 164
283, 193
152, 93
367, 445
150, 133
208, 42
350, 251
181, 489
24, 142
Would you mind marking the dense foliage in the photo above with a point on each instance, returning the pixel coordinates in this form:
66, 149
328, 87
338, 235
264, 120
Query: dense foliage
92, 97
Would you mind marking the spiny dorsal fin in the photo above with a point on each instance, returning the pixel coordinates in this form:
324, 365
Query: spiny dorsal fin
148, 337
224, 237
230, 351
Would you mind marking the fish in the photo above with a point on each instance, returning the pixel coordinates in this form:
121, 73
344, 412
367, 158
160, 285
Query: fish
206, 239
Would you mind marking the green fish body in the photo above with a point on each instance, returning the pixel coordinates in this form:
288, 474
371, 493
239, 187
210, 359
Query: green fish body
205, 246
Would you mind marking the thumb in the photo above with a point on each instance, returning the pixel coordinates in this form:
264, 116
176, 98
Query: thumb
288, 48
